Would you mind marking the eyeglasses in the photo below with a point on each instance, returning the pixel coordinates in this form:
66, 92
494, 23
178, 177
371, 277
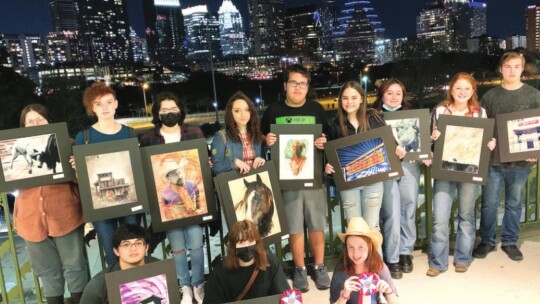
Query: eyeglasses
301, 85
34, 121
169, 110
136, 244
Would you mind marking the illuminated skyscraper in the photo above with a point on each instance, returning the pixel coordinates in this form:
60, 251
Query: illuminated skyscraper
266, 22
202, 33
231, 30
64, 15
436, 23
469, 20
532, 27
303, 31
359, 27
164, 27
104, 30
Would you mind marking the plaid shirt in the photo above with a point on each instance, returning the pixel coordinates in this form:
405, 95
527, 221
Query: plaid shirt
153, 137
247, 149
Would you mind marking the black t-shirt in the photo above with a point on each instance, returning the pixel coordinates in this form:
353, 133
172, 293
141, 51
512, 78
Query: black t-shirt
309, 113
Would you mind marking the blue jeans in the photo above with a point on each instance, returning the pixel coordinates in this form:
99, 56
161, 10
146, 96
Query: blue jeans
364, 201
444, 193
398, 212
409, 185
183, 239
514, 179
57, 260
105, 230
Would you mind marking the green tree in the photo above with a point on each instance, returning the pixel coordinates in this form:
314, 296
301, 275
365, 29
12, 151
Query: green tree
16, 92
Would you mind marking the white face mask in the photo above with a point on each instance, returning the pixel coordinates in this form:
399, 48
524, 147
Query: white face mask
390, 109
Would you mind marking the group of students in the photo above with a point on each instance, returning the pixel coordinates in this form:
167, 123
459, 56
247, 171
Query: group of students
49, 218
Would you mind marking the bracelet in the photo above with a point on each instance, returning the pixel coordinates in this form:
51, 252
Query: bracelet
344, 297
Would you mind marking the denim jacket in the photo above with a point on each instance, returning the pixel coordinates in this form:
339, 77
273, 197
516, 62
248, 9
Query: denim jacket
224, 154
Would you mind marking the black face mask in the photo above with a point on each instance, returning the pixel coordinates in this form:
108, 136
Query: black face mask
246, 254
170, 119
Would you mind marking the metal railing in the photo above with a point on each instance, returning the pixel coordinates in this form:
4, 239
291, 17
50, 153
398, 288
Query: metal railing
424, 216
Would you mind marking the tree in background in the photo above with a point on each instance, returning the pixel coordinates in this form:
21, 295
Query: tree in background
16, 92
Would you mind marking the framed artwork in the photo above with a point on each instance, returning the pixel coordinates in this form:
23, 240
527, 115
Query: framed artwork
411, 131
298, 161
111, 179
518, 135
461, 153
153, 283
179, 184
35, 156
255, 196
364, 158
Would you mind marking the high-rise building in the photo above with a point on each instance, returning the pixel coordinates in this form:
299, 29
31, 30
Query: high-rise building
532, 27
23, 52
516, 41
266, 23
303, 32
436, 23
62, 47
104, 31
140, 49
359, 28
165, 36
202, 33
231, 30
328, 13
469, 20
64, 15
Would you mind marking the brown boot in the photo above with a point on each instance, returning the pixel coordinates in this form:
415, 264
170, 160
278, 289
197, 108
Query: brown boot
76, 297
55, 300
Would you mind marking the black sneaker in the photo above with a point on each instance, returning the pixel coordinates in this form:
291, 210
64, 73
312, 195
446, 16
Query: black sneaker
405, 261
513, 252
482, 250
300, 279
395, 270
321, 278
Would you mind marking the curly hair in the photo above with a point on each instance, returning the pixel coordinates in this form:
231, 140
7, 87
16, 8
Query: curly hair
95, 90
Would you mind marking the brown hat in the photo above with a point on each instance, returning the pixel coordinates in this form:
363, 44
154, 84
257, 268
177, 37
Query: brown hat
358, 226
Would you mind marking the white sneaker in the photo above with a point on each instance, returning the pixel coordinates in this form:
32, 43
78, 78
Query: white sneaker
187, 295
198, 293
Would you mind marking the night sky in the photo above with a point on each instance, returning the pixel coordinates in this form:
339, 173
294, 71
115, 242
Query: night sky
397, 16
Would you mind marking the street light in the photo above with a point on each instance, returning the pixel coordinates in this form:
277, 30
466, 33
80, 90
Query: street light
258, 102
145, 87
260, 94
364, 80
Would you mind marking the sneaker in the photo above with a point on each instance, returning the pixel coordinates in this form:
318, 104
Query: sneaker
320, 277
300, 279
187, 295
482, 250
513, 252
405, 261
198, 293
395, 270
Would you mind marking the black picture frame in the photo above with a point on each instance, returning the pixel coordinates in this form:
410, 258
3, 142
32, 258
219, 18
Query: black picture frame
516, 135
233, 188
29, 158
192, 159
377, 145
297, 173
462, 138
111, 179
411, 131
150, 280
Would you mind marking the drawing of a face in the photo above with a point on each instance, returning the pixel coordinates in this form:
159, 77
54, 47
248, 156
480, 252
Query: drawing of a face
298, 148
176, 177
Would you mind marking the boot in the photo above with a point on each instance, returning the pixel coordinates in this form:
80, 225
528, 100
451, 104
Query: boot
55, 300
76, 297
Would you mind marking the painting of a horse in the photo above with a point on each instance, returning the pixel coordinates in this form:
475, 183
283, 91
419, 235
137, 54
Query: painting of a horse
257, 205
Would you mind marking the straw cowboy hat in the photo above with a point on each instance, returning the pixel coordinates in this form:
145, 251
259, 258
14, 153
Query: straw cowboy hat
167, 166
358, 226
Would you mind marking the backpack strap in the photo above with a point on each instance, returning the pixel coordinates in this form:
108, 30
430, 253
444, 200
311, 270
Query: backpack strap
248, 285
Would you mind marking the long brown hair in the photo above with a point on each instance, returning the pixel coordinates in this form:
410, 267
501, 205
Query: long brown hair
362, 113
472, 104
244, 231
253, 126
378, 104
374, 262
